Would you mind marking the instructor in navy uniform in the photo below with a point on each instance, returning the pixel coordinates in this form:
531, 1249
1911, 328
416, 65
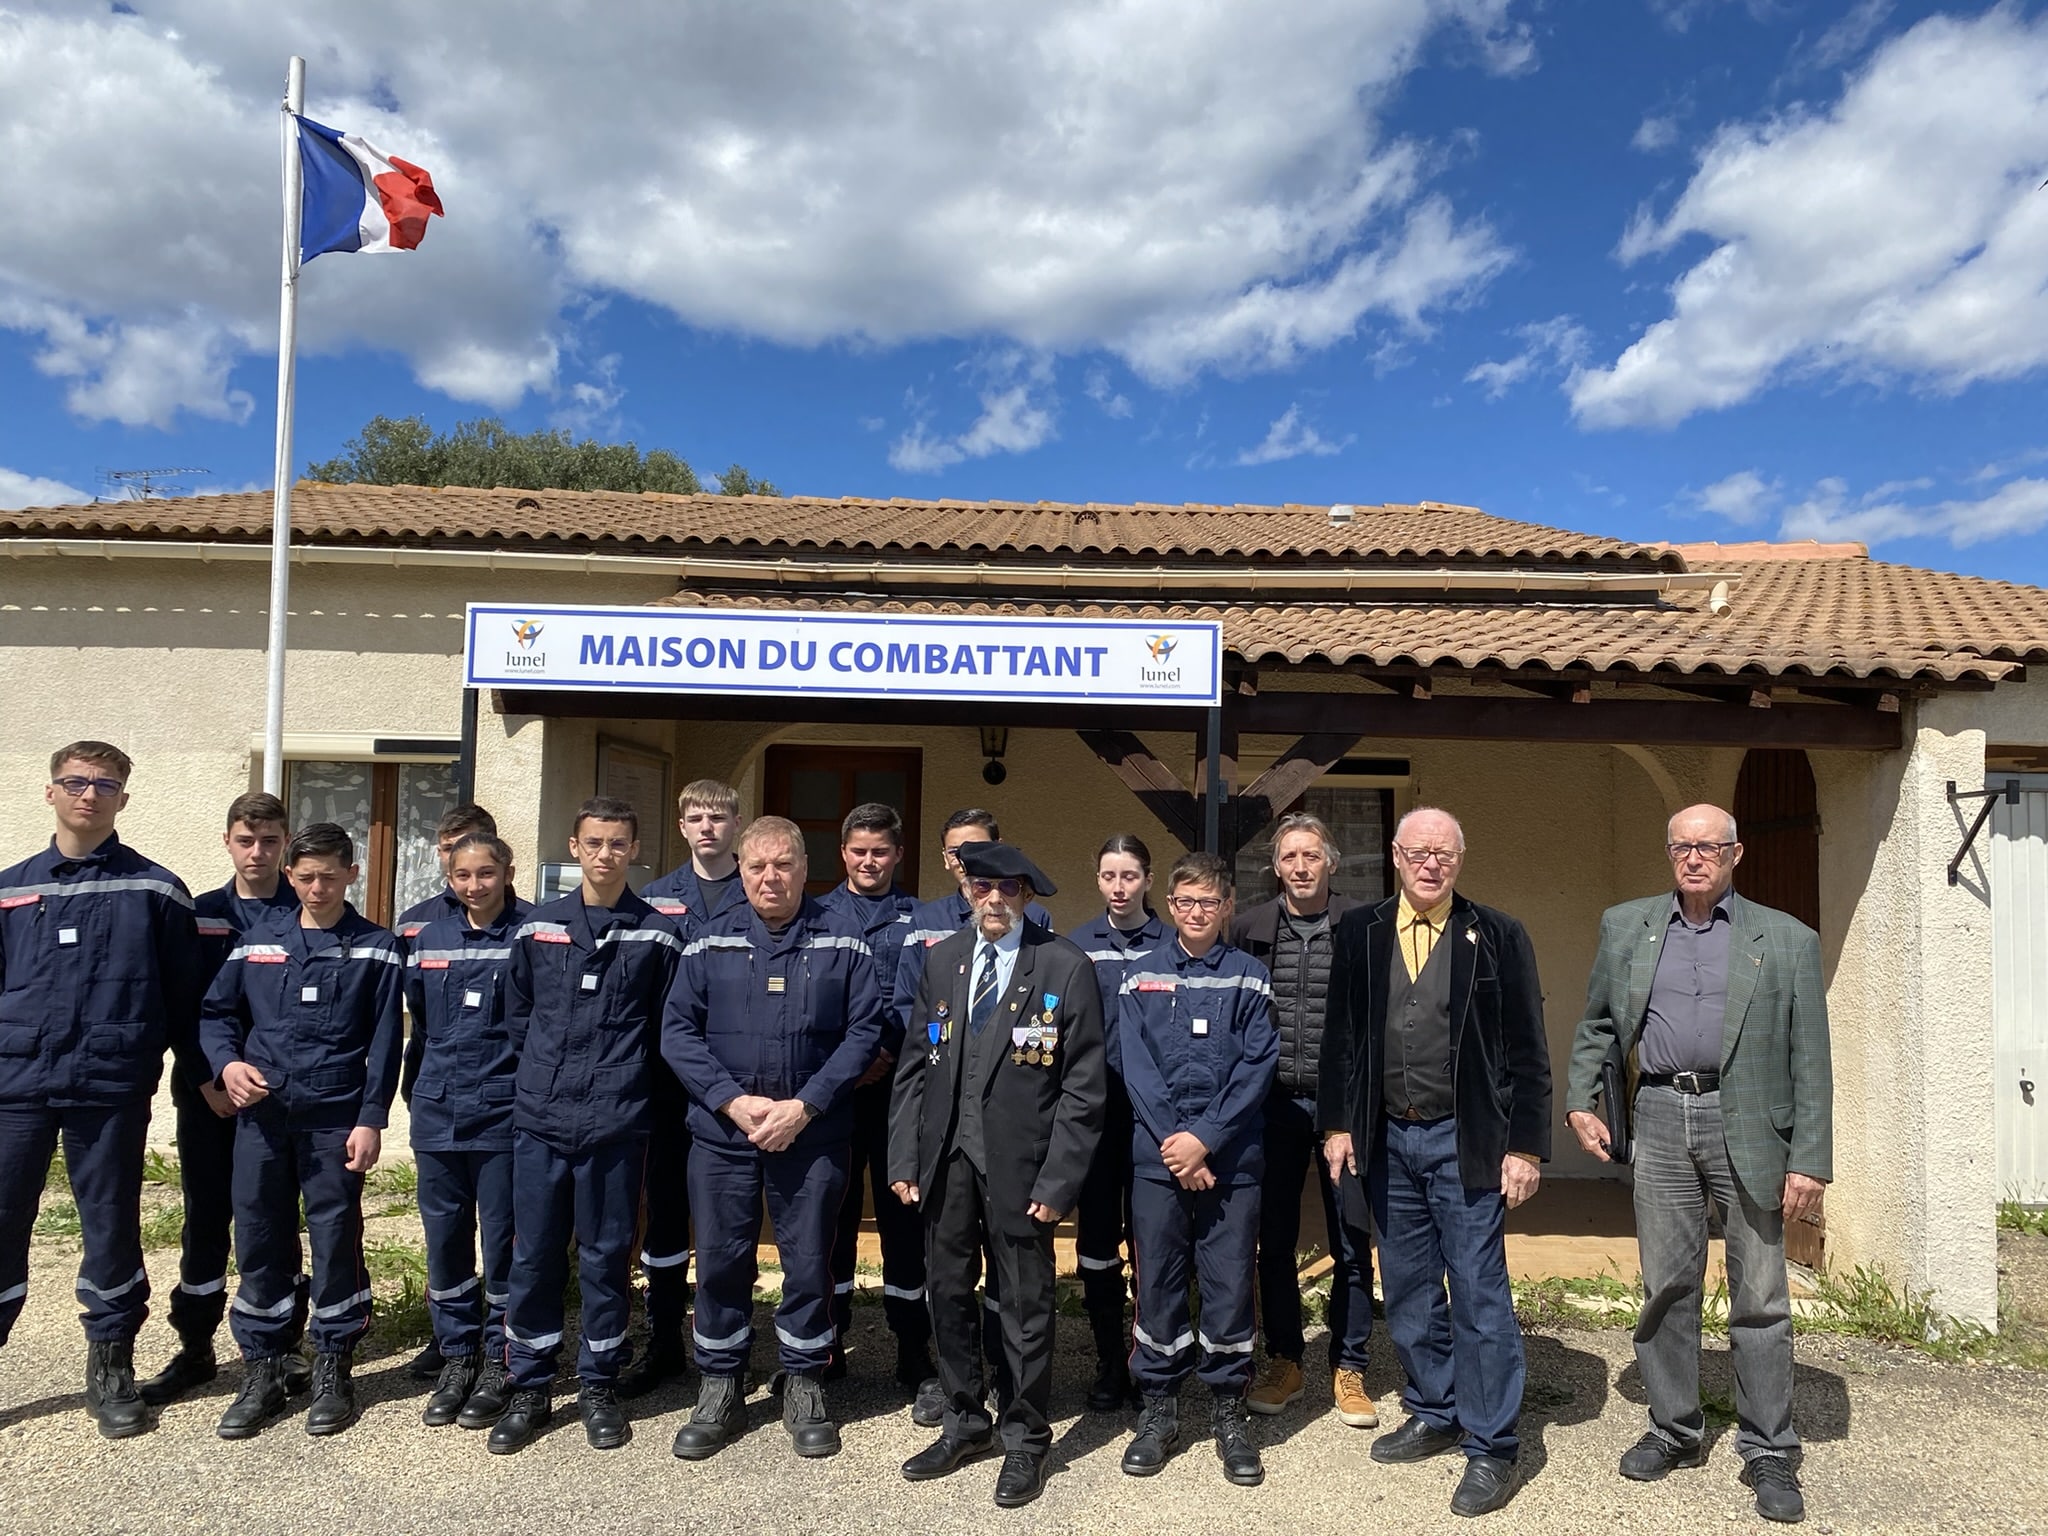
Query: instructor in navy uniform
998, 1106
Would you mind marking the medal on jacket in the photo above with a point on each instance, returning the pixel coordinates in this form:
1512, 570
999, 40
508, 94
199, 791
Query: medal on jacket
936, 1031
1020, 1038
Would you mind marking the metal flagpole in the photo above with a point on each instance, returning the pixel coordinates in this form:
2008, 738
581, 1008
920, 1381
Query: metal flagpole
287, 372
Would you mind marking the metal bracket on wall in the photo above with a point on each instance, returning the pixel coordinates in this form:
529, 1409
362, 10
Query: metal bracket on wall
2010, 792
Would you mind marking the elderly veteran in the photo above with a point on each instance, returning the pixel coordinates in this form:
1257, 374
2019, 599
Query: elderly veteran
1436, 1088
1721, 1002
999, 1102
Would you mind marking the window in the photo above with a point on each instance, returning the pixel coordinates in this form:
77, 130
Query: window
816, 786
390, 809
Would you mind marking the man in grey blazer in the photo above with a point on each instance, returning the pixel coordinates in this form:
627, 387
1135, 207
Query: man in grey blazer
1721, 1003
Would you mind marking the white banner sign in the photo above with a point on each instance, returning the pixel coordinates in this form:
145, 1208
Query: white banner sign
844, 655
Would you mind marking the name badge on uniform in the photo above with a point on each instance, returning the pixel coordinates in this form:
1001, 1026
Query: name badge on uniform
9, 903
309, 994
433, 965
1162, 985
472, 999
67, 935
777, 984
1201, 1026
589, 982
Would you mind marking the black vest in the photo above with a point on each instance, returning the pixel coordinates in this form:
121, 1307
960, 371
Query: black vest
1417, 1080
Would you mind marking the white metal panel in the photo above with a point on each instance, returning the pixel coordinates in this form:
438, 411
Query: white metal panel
2019, 971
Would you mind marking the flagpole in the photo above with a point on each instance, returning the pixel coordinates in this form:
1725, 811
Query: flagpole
287, 373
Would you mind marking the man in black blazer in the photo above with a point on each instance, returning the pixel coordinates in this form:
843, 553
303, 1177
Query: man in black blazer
998, 1103
1435, 1086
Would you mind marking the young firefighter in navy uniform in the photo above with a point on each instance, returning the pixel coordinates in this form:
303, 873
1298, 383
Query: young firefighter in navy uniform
1127, 931
459, 1069
305, 1026
583, 997
463, 821
695, 891
255, 839
98, 973
998, 1105
1194, 1040
775, 1013
871, 848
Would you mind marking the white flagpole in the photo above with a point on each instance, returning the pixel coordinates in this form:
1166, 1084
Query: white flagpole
287, 372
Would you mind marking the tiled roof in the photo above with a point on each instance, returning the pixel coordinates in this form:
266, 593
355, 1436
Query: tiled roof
1430, 532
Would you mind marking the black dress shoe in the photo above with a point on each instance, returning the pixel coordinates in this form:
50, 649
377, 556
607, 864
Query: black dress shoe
1777, 1489
604, 1421
451, 1392
426, 1365
1021, 1480
110, 1395
944, 1454
1653, 1456
487, 1398
261, 1399
334, 1396
928, 1410
666, 1359
194, 1365
720, 1414
526, 1414
1414, 1441
1487, 1484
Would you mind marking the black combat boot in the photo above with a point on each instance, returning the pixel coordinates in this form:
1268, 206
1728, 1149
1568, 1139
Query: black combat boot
811, 1430
665, 1360
261, 1399
604, 1421
194, 1365
1103, 1294
718, 1418
110, 1395
1231, 1423
334, 1396
487, 1398
1158, 1433
451, 1392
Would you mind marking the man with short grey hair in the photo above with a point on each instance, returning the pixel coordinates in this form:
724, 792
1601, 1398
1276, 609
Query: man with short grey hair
1722, 1003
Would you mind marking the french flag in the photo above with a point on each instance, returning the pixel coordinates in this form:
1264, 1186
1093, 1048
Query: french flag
357, 198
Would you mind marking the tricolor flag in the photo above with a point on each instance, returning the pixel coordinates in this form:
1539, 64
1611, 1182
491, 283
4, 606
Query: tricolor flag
357, 198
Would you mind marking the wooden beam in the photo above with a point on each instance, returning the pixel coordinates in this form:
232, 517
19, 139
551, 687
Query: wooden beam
1857, 698
1157, 786
1648, 722
1564, 691
1281, 785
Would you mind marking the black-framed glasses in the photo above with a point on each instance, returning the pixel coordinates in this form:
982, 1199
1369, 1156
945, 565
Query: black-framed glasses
1712, 852
1191, 904
74, 786
1011, 889
1445, 857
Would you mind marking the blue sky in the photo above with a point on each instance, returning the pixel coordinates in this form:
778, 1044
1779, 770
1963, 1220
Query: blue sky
1683, 269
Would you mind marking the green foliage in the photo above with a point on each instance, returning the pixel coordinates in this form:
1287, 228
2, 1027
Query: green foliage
487, 454
58, 1180
163, 1226
1604, 1300
158, 1167
1866, 1303
2015, 1217
398, 1275
59, 1218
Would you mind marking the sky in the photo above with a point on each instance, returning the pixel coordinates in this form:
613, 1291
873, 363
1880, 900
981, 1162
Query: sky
1659, 269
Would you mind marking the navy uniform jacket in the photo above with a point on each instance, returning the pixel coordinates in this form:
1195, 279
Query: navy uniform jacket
794, 1015
930, 922
99, 973
883, 924
222, 918
583, 1010
459, 1064
677, 895
1113, 951
442, 904
319, 1013
1195, 1042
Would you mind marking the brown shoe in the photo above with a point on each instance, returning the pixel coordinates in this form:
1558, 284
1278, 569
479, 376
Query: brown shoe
1279, 1384
1354, 1407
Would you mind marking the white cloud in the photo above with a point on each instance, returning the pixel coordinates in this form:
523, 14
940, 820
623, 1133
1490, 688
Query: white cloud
2016, 508
18, 490
1655, 132
1018, 413
1113, 403
1289, 437
1556, 344
1187, 188
1894, 235
1849, 36
1744, 497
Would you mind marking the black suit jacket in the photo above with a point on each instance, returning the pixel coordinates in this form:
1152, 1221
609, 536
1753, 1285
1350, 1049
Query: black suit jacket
1041, 1122
1500, 1059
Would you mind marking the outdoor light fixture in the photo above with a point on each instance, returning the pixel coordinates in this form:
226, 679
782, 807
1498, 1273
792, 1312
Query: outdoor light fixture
995, 739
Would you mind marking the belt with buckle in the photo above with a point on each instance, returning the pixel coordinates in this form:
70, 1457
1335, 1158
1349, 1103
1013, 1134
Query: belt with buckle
1684, 1082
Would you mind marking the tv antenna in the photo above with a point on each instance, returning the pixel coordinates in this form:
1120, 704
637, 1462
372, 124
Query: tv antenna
142, 484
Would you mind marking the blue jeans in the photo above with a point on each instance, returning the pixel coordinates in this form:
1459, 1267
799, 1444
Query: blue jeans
1463, 1356
1683, 1178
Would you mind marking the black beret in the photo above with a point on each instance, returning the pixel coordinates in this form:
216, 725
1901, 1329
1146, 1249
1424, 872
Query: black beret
1003, 861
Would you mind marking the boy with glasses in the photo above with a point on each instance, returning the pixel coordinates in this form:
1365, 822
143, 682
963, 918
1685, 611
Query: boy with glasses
1192, 1036
98, 974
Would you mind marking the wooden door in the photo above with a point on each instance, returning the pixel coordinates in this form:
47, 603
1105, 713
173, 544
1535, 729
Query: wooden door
816, 786
1777, 813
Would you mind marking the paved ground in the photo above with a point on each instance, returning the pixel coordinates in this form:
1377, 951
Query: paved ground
1896, 1444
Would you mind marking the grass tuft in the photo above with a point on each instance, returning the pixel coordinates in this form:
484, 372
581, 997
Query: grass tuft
159, 1167
2015, 1217
59, 1218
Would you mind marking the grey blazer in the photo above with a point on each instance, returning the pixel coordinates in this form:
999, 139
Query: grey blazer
1777, 1078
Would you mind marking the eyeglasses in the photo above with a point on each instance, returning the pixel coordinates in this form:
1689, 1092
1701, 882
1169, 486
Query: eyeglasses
597, 845
1442, 857
74, 786
1192, 904
1711, 852
1011, 889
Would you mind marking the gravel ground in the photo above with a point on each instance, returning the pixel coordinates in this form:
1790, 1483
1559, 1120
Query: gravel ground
1895, 1443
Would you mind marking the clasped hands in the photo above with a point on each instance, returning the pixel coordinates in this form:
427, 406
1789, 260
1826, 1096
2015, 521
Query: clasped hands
771, 1124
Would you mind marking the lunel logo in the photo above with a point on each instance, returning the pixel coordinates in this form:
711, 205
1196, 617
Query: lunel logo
527, 658
1159, 675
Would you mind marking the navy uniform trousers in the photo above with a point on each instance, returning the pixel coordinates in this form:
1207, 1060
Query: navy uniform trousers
595, 1192
665, 1237
461, 1194
275, 1164
1209, 1236
206, 1172
898, 1225
103, 1156
803, 1186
